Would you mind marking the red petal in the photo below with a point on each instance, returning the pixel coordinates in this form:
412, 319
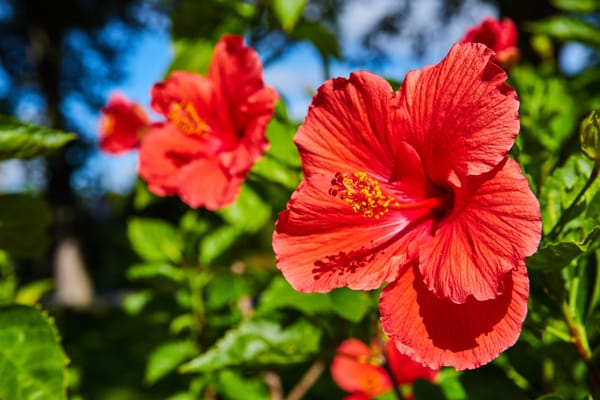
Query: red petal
205, 183
352, 370
253, 142
358, 396
163, 152
404, 368
320, 243
495, 224
438, 332
184, 87
488, 32
347, 127
508, 35
459, 115
122, 124
237, 73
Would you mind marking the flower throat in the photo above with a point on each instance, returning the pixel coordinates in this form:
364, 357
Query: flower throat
365, 196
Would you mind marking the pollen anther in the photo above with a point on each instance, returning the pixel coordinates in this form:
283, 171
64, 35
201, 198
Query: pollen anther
362, 193
185, 117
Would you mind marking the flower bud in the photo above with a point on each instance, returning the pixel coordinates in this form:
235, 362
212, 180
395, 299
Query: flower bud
589, 135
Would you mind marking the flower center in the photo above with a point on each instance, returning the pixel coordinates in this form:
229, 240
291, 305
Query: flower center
107, 125
185, 117
365, 196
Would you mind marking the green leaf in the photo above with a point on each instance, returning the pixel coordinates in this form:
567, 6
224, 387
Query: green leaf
577, 5
234, 386
191, 55
320, 36
8, 279
24, 220
257, 344
134, 303
349, 304
156, 269
26, 141
567, 28
559, 191
32, 292
554, 256
280, 294
180, 323
217, 242
346, 303
32, 363
154, 240
288, 12
449, 382
142, 196
560, 254
226, 289
281, 138
274, 171
166, 357
547, 110
249, 212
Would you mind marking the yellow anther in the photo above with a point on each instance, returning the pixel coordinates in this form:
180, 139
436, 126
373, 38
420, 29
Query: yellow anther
185, 117
107, 125
362, 193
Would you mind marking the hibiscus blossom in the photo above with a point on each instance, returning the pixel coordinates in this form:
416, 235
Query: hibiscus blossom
358, 369
500, 36
122, 124
414, 188
214, 130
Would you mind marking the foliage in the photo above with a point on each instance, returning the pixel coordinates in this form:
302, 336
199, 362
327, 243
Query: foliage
31, 359
190, 303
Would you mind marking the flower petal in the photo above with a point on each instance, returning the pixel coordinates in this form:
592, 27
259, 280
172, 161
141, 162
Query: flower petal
438, 332
184, 87
162, 152
347, 127
495, 224
122, 124
320, 243
459, 115
253, 142
352, 371
404, 368
237, 73
204, 182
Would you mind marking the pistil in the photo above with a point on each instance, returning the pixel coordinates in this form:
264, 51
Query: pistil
186, 118
365, 196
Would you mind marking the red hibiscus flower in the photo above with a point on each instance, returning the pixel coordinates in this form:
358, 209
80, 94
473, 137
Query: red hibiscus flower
415, 188
122, 125
500, 36
358, 369
214, 130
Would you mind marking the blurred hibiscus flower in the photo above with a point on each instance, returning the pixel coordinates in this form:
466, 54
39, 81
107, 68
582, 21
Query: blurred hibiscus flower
123, 123
214, 130
358, 369
415, 189
500, 36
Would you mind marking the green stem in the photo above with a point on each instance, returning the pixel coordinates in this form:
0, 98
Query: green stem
580, 341
196, 281
564, 218
595, 296
395, 384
